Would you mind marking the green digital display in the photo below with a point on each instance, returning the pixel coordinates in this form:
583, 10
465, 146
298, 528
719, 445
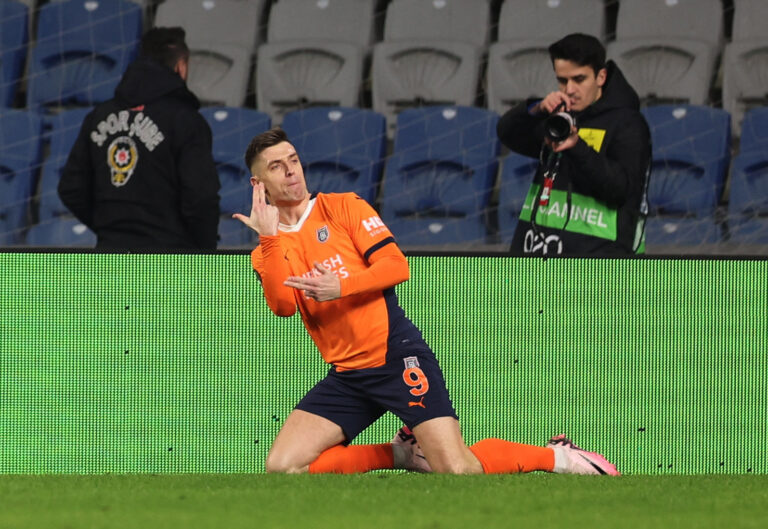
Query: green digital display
173, 363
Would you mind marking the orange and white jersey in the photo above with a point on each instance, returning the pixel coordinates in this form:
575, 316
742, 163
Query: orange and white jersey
345, 234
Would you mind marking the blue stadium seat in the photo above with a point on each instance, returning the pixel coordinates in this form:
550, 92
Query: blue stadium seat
691, 152
438, 181
13, 48
747, 211
20, 152
517, 173
233, 129
82, 50
342, 149
61, 232
748, 204
754, 130
65, 127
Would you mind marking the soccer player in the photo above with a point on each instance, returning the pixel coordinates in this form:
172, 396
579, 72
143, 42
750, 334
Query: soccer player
330, 257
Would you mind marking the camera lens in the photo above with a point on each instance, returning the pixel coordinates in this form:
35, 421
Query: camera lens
557, 127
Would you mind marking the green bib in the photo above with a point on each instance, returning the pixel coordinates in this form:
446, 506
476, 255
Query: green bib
588, 216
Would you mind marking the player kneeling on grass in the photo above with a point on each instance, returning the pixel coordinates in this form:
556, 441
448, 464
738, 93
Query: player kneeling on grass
331, 256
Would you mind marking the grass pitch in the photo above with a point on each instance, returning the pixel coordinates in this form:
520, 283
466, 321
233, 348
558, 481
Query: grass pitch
381, 500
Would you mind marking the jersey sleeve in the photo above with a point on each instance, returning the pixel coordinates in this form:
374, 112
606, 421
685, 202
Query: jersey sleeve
388, 267
373, 240
367, 230
270, 263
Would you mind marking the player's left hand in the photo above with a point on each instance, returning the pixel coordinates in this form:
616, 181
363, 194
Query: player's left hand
323, 287
567, 143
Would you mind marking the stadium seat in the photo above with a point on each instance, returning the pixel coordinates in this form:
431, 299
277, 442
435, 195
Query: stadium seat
65, 127
233, 128
747, 205
747, 211
214, 21
691, 151
345, 20
13, 48
518, 64
745, 61
667, 48
31, 4
342, 149
754, 130
438, 181
517, 173
147, 8
222, 37
61, 233
430, 55
20, 152
314, 56
82, 49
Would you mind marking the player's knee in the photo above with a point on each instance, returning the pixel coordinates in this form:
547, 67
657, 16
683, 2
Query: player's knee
456, 466
274, 466
277, 464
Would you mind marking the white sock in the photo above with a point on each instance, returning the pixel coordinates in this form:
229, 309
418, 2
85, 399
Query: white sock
561, 460
399, 456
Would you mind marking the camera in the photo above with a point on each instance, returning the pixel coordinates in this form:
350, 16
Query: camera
557, 127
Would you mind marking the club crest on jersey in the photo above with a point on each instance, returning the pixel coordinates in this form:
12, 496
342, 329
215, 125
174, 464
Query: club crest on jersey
122, 156
411, 362
323, 234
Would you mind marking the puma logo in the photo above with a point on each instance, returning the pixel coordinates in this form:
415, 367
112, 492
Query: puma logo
420, 403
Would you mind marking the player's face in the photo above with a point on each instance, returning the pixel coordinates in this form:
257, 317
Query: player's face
279, 169
580, 83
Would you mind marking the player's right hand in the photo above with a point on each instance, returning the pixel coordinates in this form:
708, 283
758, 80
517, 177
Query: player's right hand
264, 217
551, 102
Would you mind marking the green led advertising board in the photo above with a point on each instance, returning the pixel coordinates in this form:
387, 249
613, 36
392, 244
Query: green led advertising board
173, 363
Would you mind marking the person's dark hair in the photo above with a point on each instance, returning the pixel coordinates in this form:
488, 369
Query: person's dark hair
584, 50
263, 141
165, 45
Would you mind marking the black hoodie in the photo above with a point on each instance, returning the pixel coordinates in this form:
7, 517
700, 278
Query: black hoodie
141, 172
605, 184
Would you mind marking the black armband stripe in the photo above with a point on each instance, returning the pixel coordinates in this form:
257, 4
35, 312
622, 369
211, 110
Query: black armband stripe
378, 245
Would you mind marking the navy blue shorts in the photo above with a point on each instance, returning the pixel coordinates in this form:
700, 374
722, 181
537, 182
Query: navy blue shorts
410, 385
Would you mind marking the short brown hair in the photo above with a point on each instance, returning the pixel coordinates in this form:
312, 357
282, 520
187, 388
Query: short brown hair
264, 141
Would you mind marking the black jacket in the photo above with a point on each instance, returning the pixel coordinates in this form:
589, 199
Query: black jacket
612, 176
141, 172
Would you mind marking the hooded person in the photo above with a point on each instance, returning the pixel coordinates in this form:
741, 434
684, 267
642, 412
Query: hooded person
141, 173
589, 193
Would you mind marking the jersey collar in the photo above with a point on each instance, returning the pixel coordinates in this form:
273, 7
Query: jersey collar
300, 223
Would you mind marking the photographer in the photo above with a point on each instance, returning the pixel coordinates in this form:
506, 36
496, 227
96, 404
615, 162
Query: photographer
589, 195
